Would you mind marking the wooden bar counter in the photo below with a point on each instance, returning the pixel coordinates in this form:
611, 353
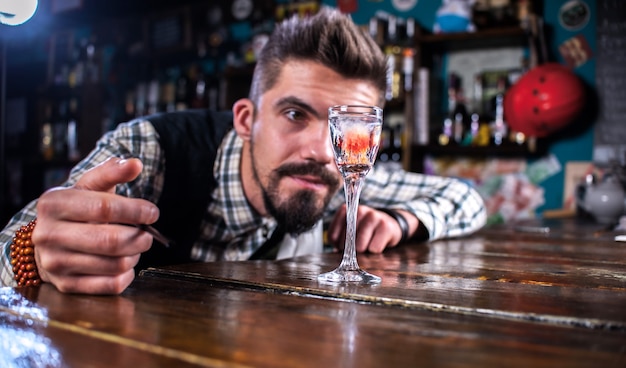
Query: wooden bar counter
498, 298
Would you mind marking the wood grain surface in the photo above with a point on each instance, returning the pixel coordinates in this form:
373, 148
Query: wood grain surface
490, 300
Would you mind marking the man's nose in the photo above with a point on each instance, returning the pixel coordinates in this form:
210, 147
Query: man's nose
318, 144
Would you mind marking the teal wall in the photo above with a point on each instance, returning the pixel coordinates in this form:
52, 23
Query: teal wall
580, 146
565, 145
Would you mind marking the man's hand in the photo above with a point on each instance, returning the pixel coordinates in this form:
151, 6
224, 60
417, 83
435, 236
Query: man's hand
80, 246
375, 230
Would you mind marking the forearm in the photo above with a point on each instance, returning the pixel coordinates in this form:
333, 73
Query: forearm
118, 143
441, 206
459, 212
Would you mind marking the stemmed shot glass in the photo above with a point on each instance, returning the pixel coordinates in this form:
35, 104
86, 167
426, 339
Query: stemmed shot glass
355, 137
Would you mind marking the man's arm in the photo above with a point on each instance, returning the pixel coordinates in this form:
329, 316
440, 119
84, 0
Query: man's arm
136, 139
435, 207
445, 206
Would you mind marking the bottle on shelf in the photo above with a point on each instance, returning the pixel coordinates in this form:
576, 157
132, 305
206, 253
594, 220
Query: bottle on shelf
73, 154
395, 85
421, 97
384, 153
392, 30
213, 92
471, 136
129, 105
498, 125
397, 43
376, 30
409, 31
83, 67
152, 96
480, 14
496, 13
458, 129
76, 72
141, 94
198, 88
446, 132
396, 149
59, 131
92, 68
181, 97
408, 68
477, 115
47, 143
455, 120
393, 139
503, 13
167, 93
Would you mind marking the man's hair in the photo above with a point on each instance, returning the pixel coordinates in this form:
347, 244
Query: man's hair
329, 38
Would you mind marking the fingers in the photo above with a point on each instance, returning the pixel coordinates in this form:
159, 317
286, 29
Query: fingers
70, 204
104, 177
94, 284
90, 258
110, 240
80, 245
337, 228
92, 199
64, 263
375, 230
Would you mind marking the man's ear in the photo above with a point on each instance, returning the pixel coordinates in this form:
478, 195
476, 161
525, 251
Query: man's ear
243, 116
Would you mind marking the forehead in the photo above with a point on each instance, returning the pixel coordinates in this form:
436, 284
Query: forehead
320, 87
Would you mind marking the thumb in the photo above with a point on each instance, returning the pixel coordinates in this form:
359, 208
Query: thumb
104, 177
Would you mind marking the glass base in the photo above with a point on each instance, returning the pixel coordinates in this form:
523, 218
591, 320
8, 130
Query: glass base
355, 276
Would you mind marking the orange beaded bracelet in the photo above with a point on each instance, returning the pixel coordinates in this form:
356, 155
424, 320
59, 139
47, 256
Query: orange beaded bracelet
23, 256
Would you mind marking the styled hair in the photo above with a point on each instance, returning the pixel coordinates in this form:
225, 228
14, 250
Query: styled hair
327, 37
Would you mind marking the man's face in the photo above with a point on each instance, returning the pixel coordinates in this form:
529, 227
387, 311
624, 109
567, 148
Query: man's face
292, 173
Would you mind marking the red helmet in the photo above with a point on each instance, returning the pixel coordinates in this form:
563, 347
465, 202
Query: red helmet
543, 100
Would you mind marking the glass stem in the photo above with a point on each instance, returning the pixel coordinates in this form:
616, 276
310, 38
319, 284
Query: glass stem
352, 186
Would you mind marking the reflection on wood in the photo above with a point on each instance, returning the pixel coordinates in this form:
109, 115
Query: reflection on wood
181, 323
530, 300
543, 281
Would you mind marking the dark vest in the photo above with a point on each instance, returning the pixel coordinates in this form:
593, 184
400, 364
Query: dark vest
189, 140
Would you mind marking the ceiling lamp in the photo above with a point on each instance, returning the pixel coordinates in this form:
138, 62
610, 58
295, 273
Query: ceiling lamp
16, 12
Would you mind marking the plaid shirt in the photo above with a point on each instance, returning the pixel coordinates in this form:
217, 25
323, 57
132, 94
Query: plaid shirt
232, 230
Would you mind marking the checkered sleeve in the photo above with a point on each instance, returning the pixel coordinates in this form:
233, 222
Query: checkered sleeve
133, 139
447, 207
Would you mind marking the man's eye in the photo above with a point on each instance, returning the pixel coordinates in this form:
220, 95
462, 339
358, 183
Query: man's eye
294, 115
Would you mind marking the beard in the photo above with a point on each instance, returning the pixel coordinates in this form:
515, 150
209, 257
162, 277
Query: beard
301, 211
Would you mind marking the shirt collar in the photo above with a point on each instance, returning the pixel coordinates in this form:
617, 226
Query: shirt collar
239, 216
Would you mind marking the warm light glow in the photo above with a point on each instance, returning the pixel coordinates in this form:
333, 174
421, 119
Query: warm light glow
16, 12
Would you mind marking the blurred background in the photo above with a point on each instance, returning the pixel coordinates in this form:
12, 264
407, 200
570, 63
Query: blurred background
78, 68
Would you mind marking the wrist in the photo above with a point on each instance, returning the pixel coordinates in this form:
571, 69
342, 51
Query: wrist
23, 256
402, 221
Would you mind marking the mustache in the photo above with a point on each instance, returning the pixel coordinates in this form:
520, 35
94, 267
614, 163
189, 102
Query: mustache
326, 176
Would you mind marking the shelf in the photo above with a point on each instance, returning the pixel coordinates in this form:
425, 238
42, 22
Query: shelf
496, 37
430, 49
508, 150
419, 152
